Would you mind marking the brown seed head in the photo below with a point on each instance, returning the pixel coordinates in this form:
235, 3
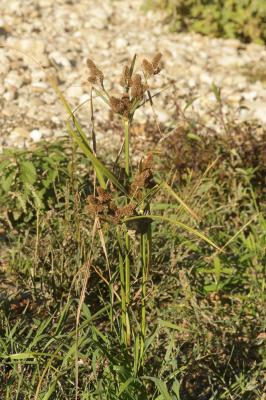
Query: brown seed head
92, 79
126, 211
125, 100
94, 206
148, 67
120, 106
116, 104
92, 199
156, 60
95, 73
137, 88
103, 195
125, 80
146, 163
91, 65
144, 179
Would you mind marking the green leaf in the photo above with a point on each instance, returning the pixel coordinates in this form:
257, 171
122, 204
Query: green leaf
193, 136
125, 385
7, 181
28, 172
161, 386
100, 168
170, 325
187, 228
169, 190
50, 391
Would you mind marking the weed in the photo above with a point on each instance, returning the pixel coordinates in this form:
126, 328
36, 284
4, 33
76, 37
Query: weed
111, 302
242, 19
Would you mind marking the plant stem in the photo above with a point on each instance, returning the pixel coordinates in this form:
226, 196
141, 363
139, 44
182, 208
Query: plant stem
145, 252
127, 139
127, 287
127, 240
122, 291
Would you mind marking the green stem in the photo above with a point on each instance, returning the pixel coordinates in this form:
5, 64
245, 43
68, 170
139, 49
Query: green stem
127, 240
143, 248
127, 287
145, 251
127, 155
122, 292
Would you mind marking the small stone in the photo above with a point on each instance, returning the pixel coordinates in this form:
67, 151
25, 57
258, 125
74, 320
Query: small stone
14, 80
206, 78
250, 96
4, 64
259, 111
36, 135
227, 61
10, 95
39, 87
162, 116
121, 43
191, 83
75, 91
98, 23
59, 59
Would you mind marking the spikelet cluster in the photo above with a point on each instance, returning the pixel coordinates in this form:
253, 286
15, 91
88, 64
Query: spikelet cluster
152, 67
144, 178
120, 105
96, 76
125, 79
134, 88
138, 88
105, 208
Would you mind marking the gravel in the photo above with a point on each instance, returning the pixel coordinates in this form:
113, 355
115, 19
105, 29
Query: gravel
40, 37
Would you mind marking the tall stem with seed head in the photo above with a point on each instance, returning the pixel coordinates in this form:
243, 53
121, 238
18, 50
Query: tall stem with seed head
127, 240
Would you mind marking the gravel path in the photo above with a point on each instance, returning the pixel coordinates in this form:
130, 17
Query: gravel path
61, 34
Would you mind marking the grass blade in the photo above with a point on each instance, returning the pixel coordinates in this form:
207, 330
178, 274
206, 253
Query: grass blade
169, 190
98, 165
187, 228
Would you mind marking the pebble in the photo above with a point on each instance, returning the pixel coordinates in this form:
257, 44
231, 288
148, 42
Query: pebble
59, 59
250, 95
75, 91
162, 116
36, 135
121, 43
13, 80
260, 111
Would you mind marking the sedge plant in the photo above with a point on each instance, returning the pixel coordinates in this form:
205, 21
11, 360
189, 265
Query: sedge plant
124, 201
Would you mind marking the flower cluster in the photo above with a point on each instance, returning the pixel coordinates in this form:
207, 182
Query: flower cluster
96, 76
152, 67
134, 89
104, 206
144, 178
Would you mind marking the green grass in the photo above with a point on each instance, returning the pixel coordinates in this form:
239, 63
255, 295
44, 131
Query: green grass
241, 19
146, 308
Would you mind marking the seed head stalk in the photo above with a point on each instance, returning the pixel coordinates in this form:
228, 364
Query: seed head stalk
127, 239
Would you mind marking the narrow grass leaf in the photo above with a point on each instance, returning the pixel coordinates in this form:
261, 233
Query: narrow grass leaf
50, 391
177, 223
100, 168
161, 386
125, 385
170, 191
